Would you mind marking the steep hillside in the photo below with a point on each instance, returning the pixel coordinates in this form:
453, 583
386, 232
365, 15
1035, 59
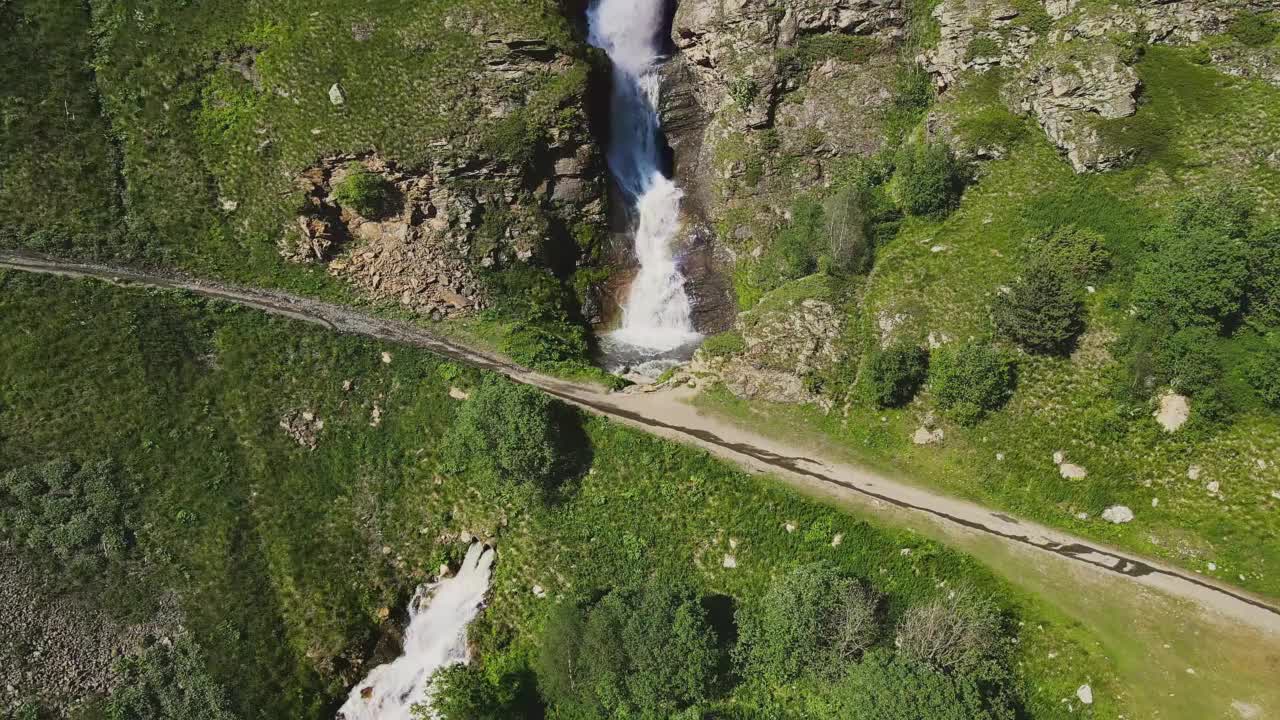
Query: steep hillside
1062, 215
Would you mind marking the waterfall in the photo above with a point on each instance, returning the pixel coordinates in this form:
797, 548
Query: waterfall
436, 638
656, 317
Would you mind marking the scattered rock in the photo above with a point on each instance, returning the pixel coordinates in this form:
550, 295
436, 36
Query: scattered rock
1059, 457
837, 539
1213, 567
1173, 411
336, 95
925, 436
1246, 711
790, 527
1213, 487
729, 561
386, 358
539, 592
1071, 471
1155, 502
999, 457
303, 426
458, 393
1117, 514
1193, 472
1085, 693
375, 417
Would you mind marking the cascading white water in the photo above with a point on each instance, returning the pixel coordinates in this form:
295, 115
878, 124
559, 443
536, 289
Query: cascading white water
656, 318
436, 638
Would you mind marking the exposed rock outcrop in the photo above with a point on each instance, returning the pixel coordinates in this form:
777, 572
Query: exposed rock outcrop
472, 205
1067, 95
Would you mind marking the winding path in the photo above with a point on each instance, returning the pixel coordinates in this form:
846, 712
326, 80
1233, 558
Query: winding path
667, 414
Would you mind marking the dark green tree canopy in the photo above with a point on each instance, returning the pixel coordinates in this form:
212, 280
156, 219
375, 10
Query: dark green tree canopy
971, 379
895, 374
1196, 271
811, 620
510, 432
645, 654
885, 687
1042, 311
929, 178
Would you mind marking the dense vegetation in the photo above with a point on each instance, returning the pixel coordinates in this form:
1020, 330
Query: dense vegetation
285, 559
1061, 309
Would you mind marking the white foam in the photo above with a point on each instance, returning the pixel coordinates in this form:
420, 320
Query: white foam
436, 638
657, 315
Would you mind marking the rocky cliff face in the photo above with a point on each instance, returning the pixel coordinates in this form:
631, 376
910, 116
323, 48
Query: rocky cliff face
1069, 64
524, 196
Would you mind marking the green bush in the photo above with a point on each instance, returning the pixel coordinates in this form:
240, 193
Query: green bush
167, 684
1190, 360
465, 692
73, 514
1264, 277
929, 179
368, 194
511, 434
895, 374
724, 344
1254, 29
1196, 270
883, 687
1080, 252
970, 380
645, 655
1264, 371
1042, 311
811, 620
794, 252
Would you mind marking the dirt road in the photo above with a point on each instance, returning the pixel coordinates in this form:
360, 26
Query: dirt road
668, 414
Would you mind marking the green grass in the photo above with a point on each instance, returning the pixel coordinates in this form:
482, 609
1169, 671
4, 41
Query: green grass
282, 557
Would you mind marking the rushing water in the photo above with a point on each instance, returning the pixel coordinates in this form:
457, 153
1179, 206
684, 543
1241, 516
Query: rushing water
657, 329
436, 638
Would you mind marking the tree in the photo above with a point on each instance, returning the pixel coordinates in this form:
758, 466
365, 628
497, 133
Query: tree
956, 631
929, 179
883, 687
895, 374
642, 654
970, 380
1042, 311
510, 434
811, 620
1196, 270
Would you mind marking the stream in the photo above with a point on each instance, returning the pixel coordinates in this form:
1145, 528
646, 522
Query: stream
436, 637
657, 330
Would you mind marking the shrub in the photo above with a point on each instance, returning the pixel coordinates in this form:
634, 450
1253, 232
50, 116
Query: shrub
1079, 252
1254, 29
810, 620
510, 434
1264, 276
1196, 271
1264, 371
895, 374
167, 684
465, 692
883, 687
368, 194
1190, 360
794, 253
929, 179
646, 654
74, 514
957, 631
724, 344
969, 380
1042, 311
